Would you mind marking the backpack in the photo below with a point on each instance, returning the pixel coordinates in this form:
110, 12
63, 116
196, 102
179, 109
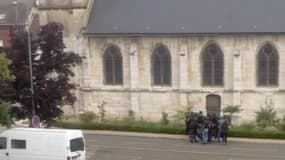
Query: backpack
225, 125
206, 123
193, 122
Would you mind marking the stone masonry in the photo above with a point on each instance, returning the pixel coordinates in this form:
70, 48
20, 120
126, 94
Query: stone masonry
148, 101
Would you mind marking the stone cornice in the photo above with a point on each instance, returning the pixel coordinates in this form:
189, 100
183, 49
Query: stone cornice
166, 89
65, 5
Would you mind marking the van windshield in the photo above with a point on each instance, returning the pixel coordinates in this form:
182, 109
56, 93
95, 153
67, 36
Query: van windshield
76, 144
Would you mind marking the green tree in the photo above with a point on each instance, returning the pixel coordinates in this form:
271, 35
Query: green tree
52, 70
5, 117
5, 75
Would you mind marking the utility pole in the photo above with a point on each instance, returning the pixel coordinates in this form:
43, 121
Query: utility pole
15, 3
27, 25
30, 66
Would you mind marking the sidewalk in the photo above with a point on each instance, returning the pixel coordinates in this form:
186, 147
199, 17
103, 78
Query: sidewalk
184, 137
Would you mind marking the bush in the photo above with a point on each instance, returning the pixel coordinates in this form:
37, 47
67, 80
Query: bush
270, 129
282, 127
245, 126
164, 118
256, 134
131, 115
266, 116
125, 125
182, 113
5, 116
265, 123
87, 117
102, 111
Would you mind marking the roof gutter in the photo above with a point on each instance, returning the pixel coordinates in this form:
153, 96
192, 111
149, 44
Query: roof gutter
175, 34
11, 24
88, 13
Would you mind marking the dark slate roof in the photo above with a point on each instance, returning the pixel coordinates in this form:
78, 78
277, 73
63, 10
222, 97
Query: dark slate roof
186, 16
8, 12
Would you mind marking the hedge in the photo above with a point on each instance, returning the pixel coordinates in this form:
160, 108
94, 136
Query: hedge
256, 134
134, 127
149, 127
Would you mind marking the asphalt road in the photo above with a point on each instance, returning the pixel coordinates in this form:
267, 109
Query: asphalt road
103, 147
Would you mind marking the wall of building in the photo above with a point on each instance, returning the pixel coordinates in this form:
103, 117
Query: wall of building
70, 13
139, 95
4, 36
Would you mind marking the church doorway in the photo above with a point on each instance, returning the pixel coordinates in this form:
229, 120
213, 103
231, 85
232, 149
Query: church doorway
213, 104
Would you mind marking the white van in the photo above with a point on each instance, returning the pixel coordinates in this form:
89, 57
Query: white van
42, 144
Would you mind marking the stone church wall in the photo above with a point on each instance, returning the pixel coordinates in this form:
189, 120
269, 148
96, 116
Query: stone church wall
139, 95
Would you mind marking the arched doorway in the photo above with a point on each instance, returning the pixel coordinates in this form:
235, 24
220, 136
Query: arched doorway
213, 104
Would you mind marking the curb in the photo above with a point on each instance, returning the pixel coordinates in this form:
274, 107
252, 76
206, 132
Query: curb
182, 137
133, 134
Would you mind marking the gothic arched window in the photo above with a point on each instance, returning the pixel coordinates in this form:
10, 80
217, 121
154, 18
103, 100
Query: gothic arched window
267, 69
161, 66
213, 66
113, 71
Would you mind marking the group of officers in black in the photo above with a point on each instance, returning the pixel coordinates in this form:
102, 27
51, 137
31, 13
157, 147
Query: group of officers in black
204, 128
